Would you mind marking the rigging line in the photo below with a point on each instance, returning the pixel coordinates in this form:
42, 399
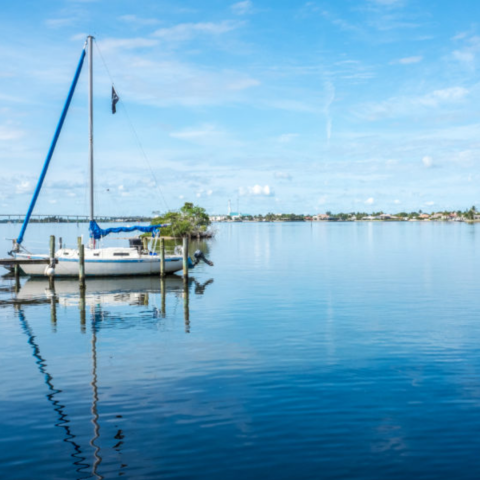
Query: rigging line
122, 104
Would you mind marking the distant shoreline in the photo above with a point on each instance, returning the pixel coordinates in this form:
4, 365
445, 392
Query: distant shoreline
19, 222
470, 215
347, 221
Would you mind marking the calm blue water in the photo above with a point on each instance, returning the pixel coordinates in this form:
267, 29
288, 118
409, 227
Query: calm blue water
344, 350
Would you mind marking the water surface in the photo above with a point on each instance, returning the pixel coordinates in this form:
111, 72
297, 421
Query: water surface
344, 350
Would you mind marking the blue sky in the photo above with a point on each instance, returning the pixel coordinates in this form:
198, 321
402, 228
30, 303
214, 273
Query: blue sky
288, 106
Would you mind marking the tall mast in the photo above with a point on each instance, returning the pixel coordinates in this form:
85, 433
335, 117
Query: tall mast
90, 116
50, 153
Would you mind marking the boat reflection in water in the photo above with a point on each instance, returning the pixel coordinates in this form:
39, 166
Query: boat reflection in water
98, 295
104, 292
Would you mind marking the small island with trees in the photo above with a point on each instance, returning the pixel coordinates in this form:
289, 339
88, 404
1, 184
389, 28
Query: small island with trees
190, 221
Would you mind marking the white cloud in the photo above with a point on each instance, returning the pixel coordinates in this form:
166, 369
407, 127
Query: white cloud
448, 94
124, 192
243, 84
369, 201
110, 44
427, 161
397, 202
287, 137
388, 3
138, 21
78, 37
468, 54
242, 8
202, 193
429, 203
330, 93
10, 133
257, 190
292, 105
204, 134
396, 106
59, 22
409, 60
186, 31
464, 56
460, 36
283, 175
25, 186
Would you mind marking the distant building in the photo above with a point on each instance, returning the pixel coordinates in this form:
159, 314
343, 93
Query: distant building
320, 217
218, 218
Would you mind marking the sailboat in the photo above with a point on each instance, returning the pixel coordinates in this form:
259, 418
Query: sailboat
112, 261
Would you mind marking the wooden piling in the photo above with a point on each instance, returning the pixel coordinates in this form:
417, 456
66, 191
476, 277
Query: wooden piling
17, 277
185, 257
81, 262
52, 261
162, 257
186, 306
163, 294
53, 308
53, 314
145, 243
52, 247
81, 305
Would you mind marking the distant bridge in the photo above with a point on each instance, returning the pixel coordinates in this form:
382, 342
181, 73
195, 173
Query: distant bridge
69, 218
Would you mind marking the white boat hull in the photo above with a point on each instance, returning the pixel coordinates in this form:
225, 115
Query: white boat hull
104, 262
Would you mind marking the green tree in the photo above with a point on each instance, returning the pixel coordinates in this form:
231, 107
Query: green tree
191, 220
470, 215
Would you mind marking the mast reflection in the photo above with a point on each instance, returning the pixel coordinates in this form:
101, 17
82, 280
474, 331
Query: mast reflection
63, 420
94, 410
99, 295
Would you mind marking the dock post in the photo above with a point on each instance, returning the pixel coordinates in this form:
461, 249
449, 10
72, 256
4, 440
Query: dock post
145, 243
81, 262
52, 261
52, 247
185, 257
162, 257
60, 243
186, 306
53, 311
163, 294
81, 305
17, 277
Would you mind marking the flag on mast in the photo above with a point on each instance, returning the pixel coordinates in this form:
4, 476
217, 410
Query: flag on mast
115, 99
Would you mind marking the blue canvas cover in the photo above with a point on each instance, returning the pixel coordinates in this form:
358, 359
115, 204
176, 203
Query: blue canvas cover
97, 233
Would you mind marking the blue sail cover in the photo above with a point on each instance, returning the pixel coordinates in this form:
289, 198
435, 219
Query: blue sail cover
97, 233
